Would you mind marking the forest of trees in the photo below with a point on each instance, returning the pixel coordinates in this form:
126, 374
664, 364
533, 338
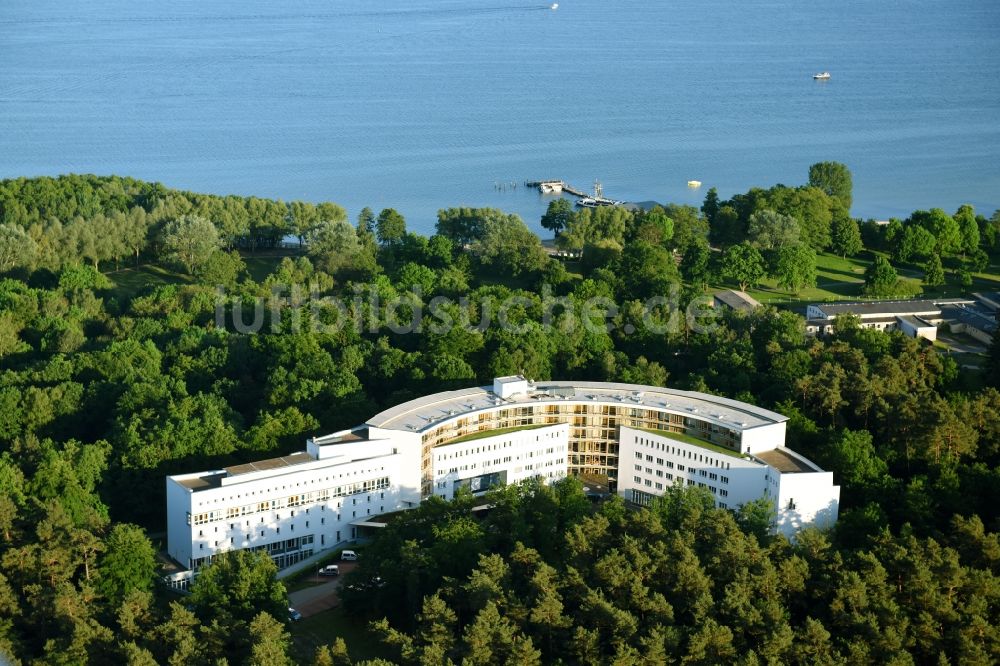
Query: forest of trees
105, 391
544, 579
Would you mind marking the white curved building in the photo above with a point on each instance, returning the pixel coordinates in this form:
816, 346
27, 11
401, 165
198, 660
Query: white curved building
642, 438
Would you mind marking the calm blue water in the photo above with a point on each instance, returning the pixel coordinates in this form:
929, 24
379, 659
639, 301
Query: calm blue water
421, 104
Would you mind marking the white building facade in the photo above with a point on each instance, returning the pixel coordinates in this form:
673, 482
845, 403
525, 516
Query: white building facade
290, 507
641, 438
483, 463
802, 493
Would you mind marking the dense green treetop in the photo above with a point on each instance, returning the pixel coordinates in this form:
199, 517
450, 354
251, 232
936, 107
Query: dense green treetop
833, 178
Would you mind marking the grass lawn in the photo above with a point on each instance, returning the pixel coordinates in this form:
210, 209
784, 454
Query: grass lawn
131, 281
688, 439
324, 628
839, 279
490, 433
260, 267
836, 279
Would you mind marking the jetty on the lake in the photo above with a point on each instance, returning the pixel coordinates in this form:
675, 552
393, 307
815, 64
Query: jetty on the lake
584, 199
555, 187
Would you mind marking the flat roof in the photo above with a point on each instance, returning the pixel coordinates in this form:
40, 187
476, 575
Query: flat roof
872, 308
269, 464
983, 320
989, 299
915, 321
427, 412
368, 523
737, 300
785, 463
214, 479
206, 480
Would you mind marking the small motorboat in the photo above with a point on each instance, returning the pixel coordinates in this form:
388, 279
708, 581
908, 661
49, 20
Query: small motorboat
694, 184
554, 5
822, 76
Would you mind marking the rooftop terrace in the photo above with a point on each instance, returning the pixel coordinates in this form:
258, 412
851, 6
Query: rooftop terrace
784, 462
214, 479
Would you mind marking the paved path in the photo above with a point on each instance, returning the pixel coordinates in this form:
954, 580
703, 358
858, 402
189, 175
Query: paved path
971, 347
320, 597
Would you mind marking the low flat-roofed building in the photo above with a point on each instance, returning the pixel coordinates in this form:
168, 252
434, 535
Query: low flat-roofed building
735, 300
977, 321
990, 300
881, 309
914, 317
917, 327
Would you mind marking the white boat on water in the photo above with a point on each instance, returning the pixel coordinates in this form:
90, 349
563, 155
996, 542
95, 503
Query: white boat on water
597, 199
694, 184
591, 202
554, 5
822, 76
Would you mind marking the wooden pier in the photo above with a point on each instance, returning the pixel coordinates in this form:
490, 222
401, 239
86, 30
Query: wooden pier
563, 187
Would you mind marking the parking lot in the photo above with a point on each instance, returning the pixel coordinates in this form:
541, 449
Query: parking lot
323, 594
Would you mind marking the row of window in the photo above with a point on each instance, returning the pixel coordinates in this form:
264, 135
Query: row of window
216, 498
496, 462
641, 498
650, 483
448, 455
711, 476
584, 417
680, 452
290, 501
281, 560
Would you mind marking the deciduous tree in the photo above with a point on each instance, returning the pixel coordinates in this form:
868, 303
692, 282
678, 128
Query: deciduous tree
833, 178
190, 241
557, 215
795, 267
845, 236
128, 563
390, 227
743, 264
934, 272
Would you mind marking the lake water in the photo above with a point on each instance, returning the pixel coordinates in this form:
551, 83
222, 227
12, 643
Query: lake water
420, 104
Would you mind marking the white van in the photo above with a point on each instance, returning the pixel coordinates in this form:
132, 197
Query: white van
349, 555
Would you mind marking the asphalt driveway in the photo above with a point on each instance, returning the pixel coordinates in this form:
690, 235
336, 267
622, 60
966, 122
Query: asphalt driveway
322, 596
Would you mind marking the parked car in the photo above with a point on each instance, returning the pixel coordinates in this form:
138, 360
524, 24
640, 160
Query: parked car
349, 555
371, 584
294, 615
330, 570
